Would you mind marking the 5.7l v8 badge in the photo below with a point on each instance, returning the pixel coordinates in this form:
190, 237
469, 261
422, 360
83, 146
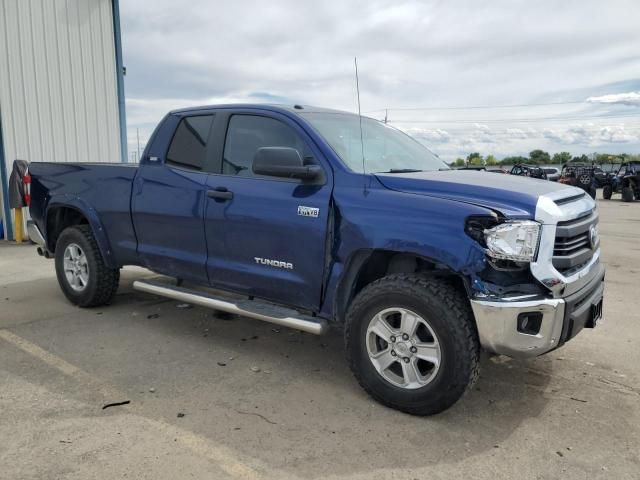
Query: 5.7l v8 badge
308, 211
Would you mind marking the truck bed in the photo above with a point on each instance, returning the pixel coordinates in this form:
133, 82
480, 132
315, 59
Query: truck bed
103, 187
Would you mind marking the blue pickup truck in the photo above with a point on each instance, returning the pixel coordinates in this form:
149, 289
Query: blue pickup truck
311, 218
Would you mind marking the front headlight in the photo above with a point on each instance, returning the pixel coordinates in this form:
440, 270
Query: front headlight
516, 240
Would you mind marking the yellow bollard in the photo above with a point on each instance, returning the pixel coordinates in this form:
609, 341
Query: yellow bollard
19, 224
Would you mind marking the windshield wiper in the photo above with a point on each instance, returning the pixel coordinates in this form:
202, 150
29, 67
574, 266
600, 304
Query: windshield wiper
402, 170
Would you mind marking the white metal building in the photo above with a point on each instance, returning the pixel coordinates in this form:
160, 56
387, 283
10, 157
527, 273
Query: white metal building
61, 85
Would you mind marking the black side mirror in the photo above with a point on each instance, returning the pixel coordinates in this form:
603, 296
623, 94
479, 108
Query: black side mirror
283, 162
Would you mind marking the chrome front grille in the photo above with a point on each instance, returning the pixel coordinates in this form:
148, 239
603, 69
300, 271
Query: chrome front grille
572, 248
565, 263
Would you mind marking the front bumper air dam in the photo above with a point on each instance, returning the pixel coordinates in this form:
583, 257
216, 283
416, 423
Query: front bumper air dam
562, 318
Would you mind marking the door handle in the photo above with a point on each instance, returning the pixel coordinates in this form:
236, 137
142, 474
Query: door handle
220, 193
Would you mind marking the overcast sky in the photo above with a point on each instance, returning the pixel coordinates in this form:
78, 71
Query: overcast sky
432, 55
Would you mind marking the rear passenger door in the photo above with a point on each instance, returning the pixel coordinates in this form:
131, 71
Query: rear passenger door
169, 197
266, 236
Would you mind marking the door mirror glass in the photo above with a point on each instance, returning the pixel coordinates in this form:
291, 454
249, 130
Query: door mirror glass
284, 162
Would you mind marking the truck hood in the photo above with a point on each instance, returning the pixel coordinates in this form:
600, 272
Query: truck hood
513, 196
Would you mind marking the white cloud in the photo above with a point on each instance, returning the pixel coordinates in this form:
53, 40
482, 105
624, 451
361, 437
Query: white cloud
592, 136
430, 136
628, 98
520, 134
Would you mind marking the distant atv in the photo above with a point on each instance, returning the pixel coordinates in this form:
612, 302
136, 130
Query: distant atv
626, 182
581, 175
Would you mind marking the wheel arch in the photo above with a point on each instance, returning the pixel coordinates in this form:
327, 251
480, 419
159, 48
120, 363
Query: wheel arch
367, 265
64, 213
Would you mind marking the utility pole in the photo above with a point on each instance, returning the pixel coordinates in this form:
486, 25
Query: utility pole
386, 115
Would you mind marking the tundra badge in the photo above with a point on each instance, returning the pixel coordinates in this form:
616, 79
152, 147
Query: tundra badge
274, 263
308, 211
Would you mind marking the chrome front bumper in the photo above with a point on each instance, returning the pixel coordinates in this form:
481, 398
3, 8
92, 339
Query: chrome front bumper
498, 328
562, 319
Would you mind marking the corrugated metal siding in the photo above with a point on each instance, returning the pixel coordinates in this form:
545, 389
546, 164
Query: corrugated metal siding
58, 90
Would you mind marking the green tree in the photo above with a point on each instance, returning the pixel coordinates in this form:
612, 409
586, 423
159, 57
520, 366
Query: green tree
561, 157
491, 160
610, 158
475, 159
539, 157
458, 163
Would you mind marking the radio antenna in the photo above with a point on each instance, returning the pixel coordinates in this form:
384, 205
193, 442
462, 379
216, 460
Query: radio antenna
364, 170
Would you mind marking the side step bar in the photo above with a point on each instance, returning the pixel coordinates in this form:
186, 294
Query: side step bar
246, 308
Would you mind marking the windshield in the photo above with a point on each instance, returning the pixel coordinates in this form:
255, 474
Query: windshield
386, 149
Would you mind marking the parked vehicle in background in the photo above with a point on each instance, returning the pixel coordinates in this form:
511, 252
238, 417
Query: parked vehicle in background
579, 175
601, 178
626, 182
553, 174
419, 265
532, 171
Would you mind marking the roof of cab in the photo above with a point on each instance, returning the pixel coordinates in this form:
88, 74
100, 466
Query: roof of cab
296, 109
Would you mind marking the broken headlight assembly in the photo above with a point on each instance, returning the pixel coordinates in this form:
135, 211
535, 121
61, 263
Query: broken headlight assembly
507, 241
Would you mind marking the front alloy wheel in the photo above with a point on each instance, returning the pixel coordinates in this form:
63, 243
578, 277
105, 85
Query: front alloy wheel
403, 348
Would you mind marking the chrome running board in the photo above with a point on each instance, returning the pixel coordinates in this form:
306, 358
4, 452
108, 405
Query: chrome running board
240, 306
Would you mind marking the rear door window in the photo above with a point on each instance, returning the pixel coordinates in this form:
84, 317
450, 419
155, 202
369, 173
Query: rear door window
188, 147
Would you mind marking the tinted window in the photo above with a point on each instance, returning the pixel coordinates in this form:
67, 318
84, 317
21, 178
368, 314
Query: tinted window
188, 147
247, 133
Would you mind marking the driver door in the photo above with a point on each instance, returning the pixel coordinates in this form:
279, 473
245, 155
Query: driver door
260, 241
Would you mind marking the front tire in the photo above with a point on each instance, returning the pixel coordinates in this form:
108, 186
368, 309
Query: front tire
627, 194
411, 343
83, 276
607, 191
593, 192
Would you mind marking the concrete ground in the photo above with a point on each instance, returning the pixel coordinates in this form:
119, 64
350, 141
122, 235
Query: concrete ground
198, 408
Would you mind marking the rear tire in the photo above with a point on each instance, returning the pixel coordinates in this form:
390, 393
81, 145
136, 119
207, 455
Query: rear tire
627, 194
419, 383
82, 273
607, 191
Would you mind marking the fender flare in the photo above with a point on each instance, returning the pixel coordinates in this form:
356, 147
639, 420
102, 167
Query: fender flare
90, 213
344, 289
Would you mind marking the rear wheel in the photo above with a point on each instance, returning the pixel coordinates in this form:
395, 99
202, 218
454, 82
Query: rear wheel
411, 343
82, 274
607, 191
627, 194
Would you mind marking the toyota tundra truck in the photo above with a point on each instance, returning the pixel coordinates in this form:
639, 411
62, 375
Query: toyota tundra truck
313, 218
